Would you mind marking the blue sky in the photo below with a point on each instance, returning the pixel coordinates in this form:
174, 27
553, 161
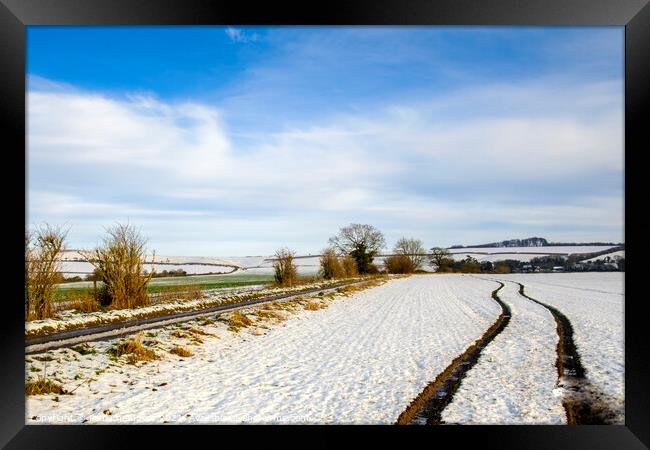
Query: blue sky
239, 140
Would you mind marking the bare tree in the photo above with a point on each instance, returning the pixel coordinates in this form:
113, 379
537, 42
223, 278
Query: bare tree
284, 269
360, 241
119, 265
43, 251
412, 249
441, 258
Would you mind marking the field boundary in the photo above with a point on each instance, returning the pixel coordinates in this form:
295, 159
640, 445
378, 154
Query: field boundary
52, 341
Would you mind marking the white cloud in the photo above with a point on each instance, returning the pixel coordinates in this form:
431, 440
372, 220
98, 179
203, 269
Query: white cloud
175, 167
237, 35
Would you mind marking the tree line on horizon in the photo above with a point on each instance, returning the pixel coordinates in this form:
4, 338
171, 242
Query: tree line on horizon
118, 264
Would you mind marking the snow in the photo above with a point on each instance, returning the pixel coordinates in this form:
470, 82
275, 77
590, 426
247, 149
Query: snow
594, 303
613, 255
514, 379
360, 360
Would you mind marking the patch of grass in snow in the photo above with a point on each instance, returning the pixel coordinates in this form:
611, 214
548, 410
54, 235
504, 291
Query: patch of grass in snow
200, 332
267, 314
180, 351
315, 306
84, 349
43, 386
237, 320
134, 349
43, 358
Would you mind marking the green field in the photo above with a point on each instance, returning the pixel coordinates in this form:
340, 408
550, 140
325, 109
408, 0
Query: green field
157, 285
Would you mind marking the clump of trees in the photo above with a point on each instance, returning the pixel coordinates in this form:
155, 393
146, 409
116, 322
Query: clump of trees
467, 265
119, 265
441, 259
43, 249
362, 242
284, 269
170, 273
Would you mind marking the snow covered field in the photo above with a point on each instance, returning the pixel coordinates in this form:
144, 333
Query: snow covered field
515, 377
594, 303
360, 360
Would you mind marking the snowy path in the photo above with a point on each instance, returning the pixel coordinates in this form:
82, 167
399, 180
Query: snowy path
514, 379
594, 303
361, 360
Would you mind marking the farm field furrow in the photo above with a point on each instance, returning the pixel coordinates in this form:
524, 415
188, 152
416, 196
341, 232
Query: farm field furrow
515, 378
594, 303
360, 360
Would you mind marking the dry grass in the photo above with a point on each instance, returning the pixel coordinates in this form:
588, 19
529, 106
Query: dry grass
315, 306
180, 351
83, 302
352, 288
238, 320
181, 334
182, 293
200, 332
135, 350
267, 314
43, 386
84, 349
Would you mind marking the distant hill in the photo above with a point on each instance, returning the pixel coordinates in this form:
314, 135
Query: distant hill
534, 242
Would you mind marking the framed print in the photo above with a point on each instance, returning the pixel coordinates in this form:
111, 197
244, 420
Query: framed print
334, 221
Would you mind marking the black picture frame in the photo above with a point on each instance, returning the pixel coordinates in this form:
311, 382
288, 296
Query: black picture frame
634, 15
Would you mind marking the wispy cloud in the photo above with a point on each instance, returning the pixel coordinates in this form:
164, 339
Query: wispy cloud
238, 35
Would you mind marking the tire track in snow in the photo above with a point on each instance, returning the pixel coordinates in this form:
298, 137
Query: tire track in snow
584, 403
426, 408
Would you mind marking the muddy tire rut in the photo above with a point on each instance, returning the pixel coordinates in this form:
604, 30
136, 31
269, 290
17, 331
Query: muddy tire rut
584, 403
427, 407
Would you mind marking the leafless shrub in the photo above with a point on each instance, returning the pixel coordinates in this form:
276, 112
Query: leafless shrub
42, 269
398, 264
330, 265
119, 266
413, 250
349, 265
285, 271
